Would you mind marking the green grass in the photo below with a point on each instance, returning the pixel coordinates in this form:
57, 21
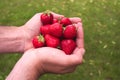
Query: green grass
101, 20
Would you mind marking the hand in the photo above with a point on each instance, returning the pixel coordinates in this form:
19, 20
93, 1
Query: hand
56, 61
36, 62
32, 27
51, 60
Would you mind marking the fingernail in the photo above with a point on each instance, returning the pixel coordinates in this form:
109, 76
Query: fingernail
83, 51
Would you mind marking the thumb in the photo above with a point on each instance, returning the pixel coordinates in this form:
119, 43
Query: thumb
79, 52
77, 57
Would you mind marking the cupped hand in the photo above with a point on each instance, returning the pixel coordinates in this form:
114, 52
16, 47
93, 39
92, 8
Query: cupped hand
56, 61
52, 60
32, 28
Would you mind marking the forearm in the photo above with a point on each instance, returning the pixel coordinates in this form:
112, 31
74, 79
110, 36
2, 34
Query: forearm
11, 39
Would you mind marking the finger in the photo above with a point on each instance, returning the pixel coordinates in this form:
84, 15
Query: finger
80, 35
79, 51
57, 16
75, 20
68, 69
76, 58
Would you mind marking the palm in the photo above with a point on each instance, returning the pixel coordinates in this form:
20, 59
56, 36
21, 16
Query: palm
55, 60
33, 25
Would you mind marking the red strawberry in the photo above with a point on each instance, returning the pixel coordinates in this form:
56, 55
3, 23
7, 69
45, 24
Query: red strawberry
65, 21
55, 21
46, 18
56, 30
45, 29
52, 41
38, 41
70, 32
68, 46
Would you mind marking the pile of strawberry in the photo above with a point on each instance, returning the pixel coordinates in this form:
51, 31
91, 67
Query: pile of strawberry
56, 33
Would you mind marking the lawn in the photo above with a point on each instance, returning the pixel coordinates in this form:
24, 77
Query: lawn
101, 22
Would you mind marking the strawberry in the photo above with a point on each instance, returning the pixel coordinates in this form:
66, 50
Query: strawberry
70, 32
52, 41
45, 29
38, 41
55, 21
56, 30
46, 18
68, 46
65, 21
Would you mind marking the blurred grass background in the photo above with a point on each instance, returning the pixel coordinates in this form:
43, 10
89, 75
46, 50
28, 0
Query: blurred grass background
101, 22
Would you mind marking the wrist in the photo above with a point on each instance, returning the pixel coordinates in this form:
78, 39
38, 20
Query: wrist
34, 61
27, 68
27, 40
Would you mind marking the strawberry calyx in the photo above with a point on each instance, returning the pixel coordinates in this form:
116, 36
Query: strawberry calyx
48, 12
41, 38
